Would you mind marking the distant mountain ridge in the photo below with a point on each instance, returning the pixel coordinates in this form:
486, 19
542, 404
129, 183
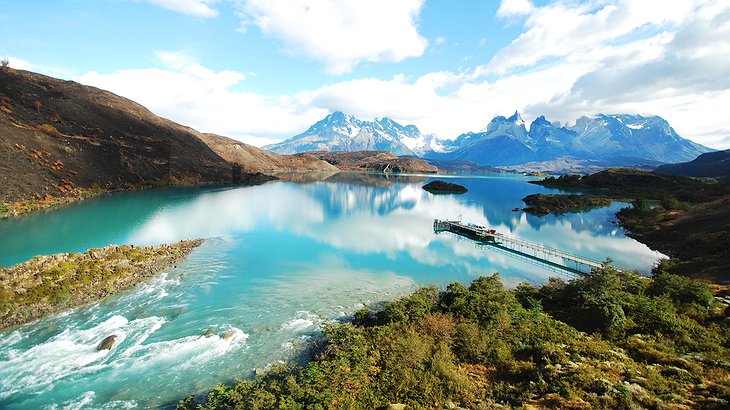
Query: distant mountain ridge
343, 132
615, 138
619, 137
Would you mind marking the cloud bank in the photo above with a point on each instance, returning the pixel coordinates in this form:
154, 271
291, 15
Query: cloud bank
570, 59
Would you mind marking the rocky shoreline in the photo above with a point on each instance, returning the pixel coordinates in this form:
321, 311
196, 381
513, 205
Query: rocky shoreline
50, 284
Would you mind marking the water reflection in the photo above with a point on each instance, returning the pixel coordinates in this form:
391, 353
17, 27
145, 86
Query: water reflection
361, 213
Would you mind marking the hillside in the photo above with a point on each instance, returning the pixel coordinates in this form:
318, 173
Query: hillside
61, 139
711, 164
253, 159
611, 340
375, 161
682, 217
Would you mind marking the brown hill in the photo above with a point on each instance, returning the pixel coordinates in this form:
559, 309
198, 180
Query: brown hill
253, 159
58, 137
377, 161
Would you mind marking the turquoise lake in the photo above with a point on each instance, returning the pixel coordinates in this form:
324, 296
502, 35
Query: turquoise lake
280, 259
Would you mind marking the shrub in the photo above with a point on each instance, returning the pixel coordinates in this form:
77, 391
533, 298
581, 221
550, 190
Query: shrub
680, 288
48, 130
414, 307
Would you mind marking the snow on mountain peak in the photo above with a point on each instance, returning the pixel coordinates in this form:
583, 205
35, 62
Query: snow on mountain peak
516, 118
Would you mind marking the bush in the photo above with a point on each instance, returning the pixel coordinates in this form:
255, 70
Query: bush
414, 307
48, 130
477, 346
680, 289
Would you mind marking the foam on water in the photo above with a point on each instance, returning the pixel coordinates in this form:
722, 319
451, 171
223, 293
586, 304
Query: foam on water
78, 403
183, 353
10, 339
304, 320
71, 352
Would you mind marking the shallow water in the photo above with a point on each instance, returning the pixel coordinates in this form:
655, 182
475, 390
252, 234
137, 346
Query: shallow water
280, 259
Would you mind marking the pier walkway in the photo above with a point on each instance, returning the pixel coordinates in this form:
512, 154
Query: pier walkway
554, 257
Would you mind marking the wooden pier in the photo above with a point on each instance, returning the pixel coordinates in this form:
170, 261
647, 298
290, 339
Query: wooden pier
550, 256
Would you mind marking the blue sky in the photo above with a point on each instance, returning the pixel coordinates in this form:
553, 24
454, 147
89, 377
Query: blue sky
264, 70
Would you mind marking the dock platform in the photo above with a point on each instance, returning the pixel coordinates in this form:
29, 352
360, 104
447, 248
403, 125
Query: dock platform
485, 236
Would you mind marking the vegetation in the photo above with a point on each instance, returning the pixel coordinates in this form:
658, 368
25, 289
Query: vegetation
48, 284
543, 204
30, 205
609, 340
441, 187
668, 213
622, 183
47, 129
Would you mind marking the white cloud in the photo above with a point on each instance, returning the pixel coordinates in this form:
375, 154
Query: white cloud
680, 75
196, 96
510, 8
342, 33
572, 30
673, 64
19, 63
198, 8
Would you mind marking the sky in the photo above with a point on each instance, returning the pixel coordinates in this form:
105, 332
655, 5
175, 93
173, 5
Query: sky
261, 71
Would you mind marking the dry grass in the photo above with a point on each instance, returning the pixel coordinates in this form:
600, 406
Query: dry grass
48, 130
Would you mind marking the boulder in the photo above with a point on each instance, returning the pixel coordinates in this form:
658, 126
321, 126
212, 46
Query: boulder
228, 334
107, 343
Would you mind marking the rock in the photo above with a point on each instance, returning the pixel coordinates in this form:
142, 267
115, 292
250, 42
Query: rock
209, 332
397, 406
442, 187
107, 343
228, 334
516, 210
93, 254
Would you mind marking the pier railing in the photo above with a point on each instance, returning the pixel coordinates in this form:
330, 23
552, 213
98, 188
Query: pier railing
483, 235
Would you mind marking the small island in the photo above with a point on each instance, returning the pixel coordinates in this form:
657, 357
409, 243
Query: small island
50, 284
440, 187
543, 204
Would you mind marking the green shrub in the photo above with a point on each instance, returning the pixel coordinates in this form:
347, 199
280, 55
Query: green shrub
477, 346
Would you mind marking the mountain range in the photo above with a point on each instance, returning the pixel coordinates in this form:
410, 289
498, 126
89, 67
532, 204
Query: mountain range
619, 138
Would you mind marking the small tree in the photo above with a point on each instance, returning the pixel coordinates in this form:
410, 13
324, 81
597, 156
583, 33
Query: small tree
5, 62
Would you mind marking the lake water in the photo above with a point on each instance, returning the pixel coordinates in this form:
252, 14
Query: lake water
280, 259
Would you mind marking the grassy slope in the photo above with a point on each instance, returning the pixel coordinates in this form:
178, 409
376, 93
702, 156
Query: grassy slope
612, 340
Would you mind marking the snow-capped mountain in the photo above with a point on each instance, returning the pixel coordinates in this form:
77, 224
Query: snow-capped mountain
624, 135
621, 138
506, 141
343, 132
